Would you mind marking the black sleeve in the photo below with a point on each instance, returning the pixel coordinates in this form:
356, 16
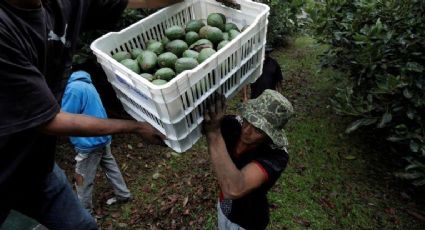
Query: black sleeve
274, 163
25, 99
103, 14
230, 130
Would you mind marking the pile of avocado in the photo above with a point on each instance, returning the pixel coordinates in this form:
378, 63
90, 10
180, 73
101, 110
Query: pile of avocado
181, 49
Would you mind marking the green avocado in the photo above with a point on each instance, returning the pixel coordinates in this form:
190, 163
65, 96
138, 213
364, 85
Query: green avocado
194, 25
147, 76
135, 52
205, 54
159, 82
191, 37
216, 20
183, 64
174, 32
131, 64
165, 74
167, 59
215, 35
119, 56
177, 47
156, 47
190, 54
147, 60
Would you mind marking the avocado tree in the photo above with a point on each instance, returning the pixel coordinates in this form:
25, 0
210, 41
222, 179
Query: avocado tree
380, 44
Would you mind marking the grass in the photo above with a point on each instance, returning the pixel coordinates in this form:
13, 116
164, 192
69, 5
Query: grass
332, 181
327, 184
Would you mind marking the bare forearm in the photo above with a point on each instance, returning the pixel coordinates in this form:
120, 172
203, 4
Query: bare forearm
229, 177
150, 4
67, 124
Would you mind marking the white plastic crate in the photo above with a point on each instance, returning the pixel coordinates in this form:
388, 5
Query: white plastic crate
176, 108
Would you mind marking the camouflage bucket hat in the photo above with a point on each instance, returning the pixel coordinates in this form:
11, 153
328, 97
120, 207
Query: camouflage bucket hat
269, 112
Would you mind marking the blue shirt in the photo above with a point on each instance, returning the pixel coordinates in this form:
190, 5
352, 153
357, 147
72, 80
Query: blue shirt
81, 97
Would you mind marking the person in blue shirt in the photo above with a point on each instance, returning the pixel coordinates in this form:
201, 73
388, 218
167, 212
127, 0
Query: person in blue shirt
81, 97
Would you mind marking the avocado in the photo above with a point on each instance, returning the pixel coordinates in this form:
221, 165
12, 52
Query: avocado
177, 47
165, 74
131, 64
165, 41
205, 54
203, 31
159, 82
174, 32
216, 20
215, 35
222, 44
191, 37
191, 54
156, 47
147, 60
233, 34
226, 36
230, 26
194, 25
147, 76
183, 64
135, 52
201, 44
167, 59
119, 56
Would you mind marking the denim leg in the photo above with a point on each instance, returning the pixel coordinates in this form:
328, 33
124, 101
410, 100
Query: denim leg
85, 173
113, 173
55, 205
223, 223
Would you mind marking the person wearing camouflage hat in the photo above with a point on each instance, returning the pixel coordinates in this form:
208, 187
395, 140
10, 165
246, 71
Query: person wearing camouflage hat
248, 155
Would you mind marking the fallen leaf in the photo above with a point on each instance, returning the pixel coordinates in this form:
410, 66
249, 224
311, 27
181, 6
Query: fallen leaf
186, 199
156, 175
349, 157
129, 146
122, 225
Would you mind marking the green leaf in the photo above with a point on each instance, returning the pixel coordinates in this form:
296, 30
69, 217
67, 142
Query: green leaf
386, 118
415, 67
414, 146
407, 94
359, 123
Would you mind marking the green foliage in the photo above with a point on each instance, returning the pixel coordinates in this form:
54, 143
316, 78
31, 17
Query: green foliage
283, 20
380, 44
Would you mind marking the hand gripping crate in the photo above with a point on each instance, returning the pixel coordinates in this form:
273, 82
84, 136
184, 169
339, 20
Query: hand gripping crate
176, 108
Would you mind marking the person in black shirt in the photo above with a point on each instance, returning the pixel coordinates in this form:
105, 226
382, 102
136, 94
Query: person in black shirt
271, 78
248, 154
37, 39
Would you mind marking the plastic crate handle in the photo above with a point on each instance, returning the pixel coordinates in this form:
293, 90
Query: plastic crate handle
124, 79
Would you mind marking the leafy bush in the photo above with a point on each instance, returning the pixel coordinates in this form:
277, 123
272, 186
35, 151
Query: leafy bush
283, 20
381, 45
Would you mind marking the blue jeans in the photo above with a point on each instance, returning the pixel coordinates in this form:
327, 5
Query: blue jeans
86, 168
53, 204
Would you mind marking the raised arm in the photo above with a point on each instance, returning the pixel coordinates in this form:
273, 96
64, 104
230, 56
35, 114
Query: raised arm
67, 124
234, 183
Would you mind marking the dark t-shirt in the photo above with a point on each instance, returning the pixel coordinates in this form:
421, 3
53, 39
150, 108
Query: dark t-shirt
252, 210
35, 59
271, 76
